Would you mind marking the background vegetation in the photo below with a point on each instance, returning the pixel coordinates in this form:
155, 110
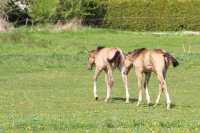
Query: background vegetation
136, 15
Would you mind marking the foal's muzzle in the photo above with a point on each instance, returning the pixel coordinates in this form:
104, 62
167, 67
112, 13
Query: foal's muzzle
89, 67
125, 72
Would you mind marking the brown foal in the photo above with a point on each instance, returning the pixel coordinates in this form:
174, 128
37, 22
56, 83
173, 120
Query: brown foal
106, 59
147, 61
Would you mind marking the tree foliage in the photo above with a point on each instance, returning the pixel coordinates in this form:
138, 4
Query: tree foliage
42, 10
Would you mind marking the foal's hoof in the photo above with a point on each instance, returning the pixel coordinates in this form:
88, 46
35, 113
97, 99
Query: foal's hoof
106, 100
127, 102
168, 106
96, 98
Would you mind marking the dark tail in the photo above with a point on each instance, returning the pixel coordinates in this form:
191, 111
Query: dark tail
116, 58
171, 59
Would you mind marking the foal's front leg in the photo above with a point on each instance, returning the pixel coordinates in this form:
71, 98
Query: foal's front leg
97, 72
125, 80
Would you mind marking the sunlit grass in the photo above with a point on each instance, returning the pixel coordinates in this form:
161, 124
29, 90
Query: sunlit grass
45, 86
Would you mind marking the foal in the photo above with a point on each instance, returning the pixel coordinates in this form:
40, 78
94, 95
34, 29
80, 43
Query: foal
106, 59
147, 61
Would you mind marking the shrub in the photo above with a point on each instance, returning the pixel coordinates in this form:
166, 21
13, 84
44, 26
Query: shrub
64, 10
88, 10
96, 10
42, 10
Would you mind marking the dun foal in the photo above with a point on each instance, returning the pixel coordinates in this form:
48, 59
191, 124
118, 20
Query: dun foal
106, 59
147, 61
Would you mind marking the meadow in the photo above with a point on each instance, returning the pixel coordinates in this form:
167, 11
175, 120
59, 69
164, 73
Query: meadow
45, 85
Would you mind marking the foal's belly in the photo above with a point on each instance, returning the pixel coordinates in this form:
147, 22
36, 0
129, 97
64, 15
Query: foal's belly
148, 68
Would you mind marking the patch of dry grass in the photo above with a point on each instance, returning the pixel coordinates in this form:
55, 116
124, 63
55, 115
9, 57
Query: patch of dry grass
71, 25
5, 26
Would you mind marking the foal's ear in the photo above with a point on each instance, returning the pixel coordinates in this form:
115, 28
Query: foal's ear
99, 48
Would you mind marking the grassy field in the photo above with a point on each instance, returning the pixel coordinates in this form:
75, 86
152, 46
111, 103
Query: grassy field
45, 86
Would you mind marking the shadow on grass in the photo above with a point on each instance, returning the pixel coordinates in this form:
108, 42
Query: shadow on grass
173, 105
160, 104
124, 99
132, 100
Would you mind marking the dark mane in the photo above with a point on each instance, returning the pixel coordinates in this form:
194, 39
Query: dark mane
136, 52
96, 50
99, 48
159, 50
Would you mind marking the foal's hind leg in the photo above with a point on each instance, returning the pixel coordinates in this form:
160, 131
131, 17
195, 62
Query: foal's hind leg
167, 95
97, 72
166, 90
161, 80
159, 94
163, 87
109, 84
146, 82
139, 86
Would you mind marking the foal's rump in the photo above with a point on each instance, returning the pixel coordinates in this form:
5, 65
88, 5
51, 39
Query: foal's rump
168, 58
115, 56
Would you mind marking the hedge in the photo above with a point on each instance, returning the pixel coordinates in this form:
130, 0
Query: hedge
153, 15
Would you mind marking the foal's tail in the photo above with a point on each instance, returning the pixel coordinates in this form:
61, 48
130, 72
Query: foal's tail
116, 56
171, 59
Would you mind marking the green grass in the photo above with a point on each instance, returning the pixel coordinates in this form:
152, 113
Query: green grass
45, 86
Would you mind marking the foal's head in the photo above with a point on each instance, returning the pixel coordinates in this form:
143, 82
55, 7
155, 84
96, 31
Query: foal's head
91, 56
128, 63
130, 57
91, 59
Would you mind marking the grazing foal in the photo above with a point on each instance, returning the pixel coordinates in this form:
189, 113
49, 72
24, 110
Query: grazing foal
147, 61
106, 59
